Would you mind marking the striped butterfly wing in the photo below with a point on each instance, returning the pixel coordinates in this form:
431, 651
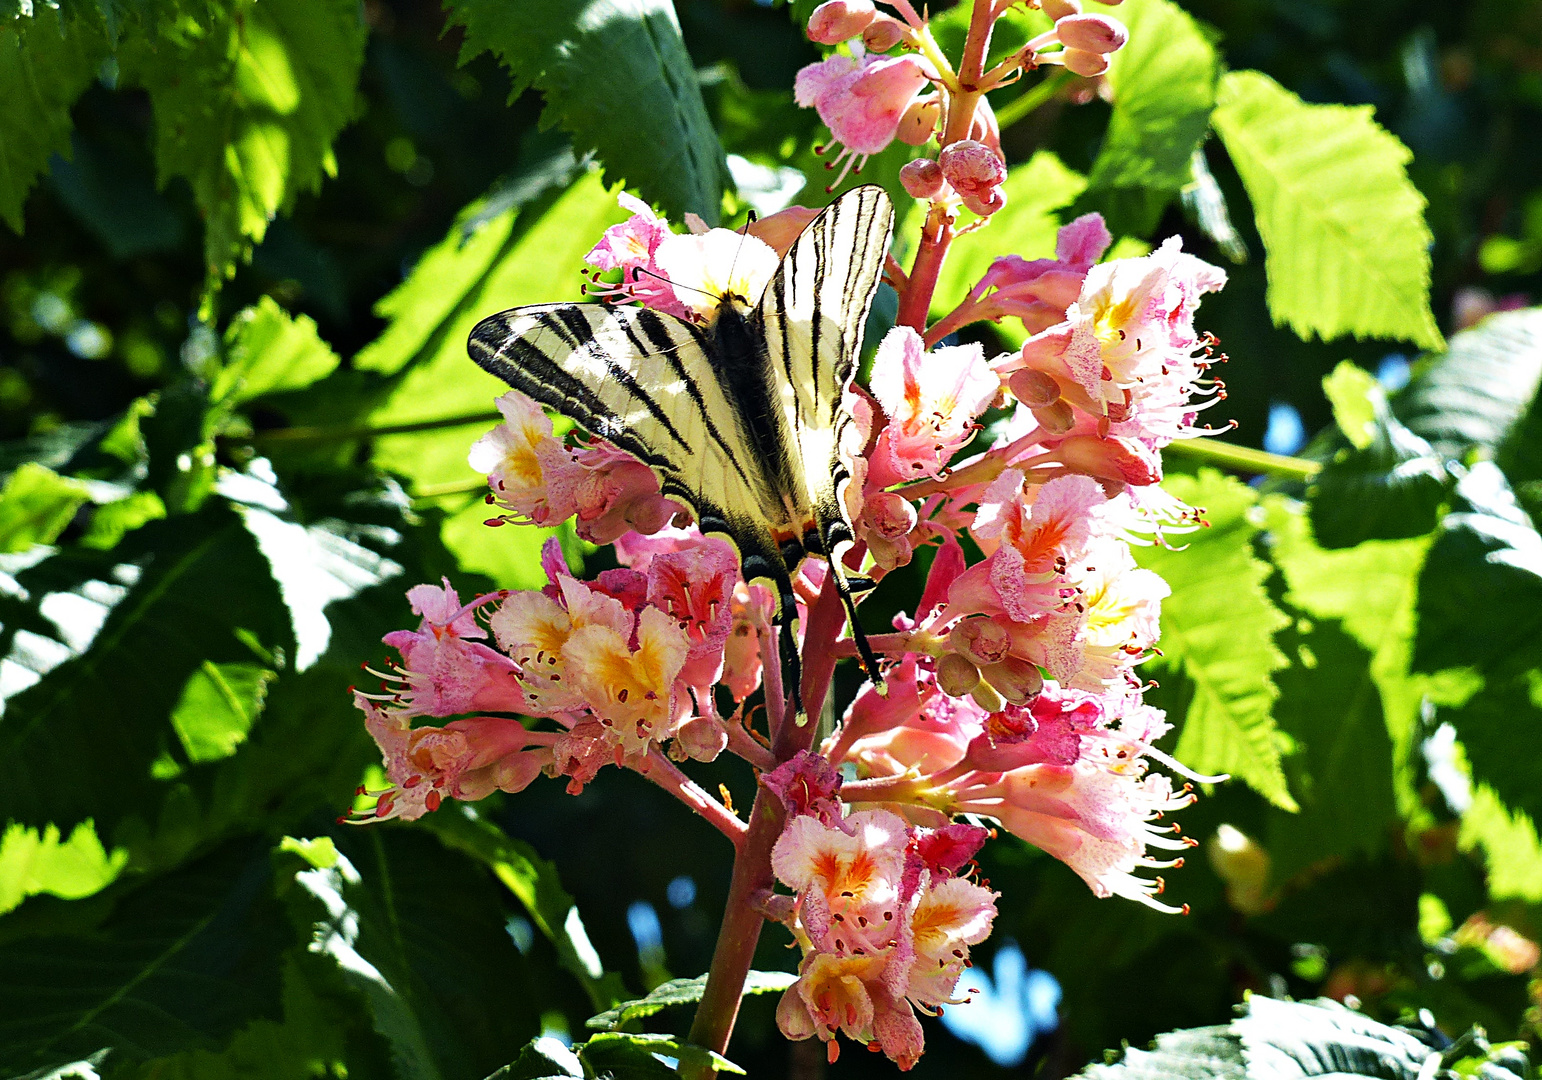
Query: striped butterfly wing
644, 381
648, 382
811, 317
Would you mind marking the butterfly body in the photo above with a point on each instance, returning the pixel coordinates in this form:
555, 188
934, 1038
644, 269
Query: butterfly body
740, 419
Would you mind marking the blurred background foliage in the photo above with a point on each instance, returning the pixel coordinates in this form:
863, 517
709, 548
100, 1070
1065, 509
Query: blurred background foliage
245, 241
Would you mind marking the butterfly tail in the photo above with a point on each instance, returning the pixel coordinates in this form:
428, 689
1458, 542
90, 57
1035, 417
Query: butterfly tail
792, 666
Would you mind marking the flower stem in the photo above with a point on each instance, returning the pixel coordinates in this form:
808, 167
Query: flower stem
936, 234
330, 433
1038, 94
1244, 458
740, 932
662, 771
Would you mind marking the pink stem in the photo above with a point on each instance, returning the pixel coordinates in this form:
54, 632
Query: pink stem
916, 300
752, 877
662, 771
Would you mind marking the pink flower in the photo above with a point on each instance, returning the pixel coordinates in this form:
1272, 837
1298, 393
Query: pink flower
751, 606
444, 671
931, 401
860, 101
922, 178
719, 263
629, 687
1092, 33
534, 629
1035, 541
807, 784
630, 247
694, 586
836, 20
1038, 291
531, 474
976, 172
466, 759
613, 494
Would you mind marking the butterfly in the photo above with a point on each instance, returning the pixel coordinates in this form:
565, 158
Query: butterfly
741, 419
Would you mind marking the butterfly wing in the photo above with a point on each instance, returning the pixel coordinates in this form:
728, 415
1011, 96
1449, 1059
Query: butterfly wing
812, 316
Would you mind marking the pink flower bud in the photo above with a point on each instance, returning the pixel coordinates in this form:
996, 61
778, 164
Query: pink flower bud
1092, 33
919, 122
1057, 418
1087, 64
1018, 681
780, 229
884, 33
1115, 458
1059, 9
956, 675
837, 20
701, 738
981, 640
976, 173
1036, 389
922, 178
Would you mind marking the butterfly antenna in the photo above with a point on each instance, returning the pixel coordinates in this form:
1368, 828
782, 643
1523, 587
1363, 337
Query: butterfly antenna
749, 220
638, 271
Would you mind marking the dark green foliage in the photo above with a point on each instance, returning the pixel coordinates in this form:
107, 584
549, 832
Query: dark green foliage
258, 229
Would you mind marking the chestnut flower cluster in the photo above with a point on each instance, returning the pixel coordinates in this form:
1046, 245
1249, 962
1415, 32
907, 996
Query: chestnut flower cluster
1010, 690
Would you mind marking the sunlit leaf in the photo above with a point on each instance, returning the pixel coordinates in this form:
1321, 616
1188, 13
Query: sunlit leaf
46, 61
684, 992
1347, 249
270, 351
246, 109
33, 862
1218, 634
35, 506
615, 75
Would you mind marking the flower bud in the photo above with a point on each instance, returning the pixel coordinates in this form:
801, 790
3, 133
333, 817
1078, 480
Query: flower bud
1036, 389
922, 178
1057, 418
838, 20
1016, 680
1114, 458
890, 515
976, 173
981, 640
1059, 9
701, 738
884, 33
1092, 33
783, 227
919, 122
987, 698
1087, 64
1243, 865
956, 675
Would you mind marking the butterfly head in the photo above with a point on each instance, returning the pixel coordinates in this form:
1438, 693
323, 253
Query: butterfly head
716, 270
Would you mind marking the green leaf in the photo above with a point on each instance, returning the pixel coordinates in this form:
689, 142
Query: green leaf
443, 982
46, 62
1501, 730
268, 352
1026, 227
1218, 631
627, 1056
33, 863
1390, 488
1353, 392
219, 703
616, 75
1213, 1053
535, 882
543, 1059
246, 108
1475, 392
423, 309
1347, 248
36, 505
1371, 591
1480, 593
541, 260
1278, 1040
684, 992
1508, 840
114, 664
181, 961
1163, 84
